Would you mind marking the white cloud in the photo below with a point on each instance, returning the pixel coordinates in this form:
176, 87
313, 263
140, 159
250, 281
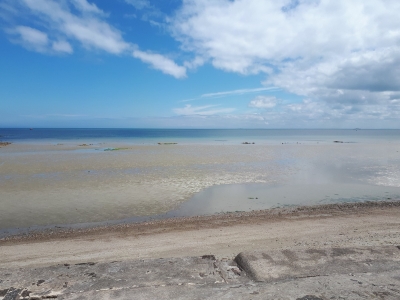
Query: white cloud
89, 28
62, 22
206, 110
232, 93
263, 102
39, 41
85, 6
62, 46
32, 38
237, 92
342, 56
149, 13
370, 71
162, 63
195, 63
247, 35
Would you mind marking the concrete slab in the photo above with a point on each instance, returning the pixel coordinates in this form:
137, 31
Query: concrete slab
269, 266
313, 274
78, 279
356, 286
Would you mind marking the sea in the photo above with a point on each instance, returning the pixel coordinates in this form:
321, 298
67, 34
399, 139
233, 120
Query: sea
212, 136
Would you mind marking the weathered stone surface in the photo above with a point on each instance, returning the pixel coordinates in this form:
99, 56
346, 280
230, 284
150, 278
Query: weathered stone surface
91, 278
286, 264
316, 274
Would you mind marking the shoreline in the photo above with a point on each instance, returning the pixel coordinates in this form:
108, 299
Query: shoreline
370, 224
201, 222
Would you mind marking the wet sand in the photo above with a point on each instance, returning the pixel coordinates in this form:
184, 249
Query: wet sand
326, 226
64, 184
55, 184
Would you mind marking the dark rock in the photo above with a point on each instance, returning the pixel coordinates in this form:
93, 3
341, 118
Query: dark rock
12, 294
39, 282
309, 297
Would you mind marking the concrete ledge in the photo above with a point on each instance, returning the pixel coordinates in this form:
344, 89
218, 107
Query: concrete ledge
64, 280
270, 266
312, 274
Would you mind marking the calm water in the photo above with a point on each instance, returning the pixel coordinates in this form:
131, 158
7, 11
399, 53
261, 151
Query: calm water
138, 136
77, 186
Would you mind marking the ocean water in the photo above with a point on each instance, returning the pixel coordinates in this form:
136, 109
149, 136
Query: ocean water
214, 136
88, 177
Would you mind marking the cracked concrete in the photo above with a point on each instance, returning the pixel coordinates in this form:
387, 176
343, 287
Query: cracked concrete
313, 274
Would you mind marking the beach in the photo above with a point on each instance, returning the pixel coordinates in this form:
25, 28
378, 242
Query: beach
319, 227
80, 208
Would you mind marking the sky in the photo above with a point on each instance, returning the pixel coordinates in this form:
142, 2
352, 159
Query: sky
200, 63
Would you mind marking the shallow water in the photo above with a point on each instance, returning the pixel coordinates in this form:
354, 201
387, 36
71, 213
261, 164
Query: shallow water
248, 197
44, 184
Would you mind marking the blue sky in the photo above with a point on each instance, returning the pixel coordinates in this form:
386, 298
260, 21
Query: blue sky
200, 63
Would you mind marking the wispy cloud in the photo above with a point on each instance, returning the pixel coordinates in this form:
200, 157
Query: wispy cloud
66, 115
232, 93
52, 116
76, 20
62, 46
66, 23
139, 4
160, 62
31, 38
205, 110
238, 92
85, 6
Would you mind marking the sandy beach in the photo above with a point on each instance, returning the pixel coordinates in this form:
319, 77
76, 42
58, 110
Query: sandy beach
344, 225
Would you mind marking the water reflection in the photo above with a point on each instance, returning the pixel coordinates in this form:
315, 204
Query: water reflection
247, 197
315, 182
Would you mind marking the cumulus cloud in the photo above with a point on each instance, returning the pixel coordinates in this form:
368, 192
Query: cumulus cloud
342, 56
205, 110
263, 102
161, 63
372, 71
251, 35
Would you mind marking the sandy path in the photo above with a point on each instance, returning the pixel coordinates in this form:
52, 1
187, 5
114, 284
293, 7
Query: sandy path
224, 236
